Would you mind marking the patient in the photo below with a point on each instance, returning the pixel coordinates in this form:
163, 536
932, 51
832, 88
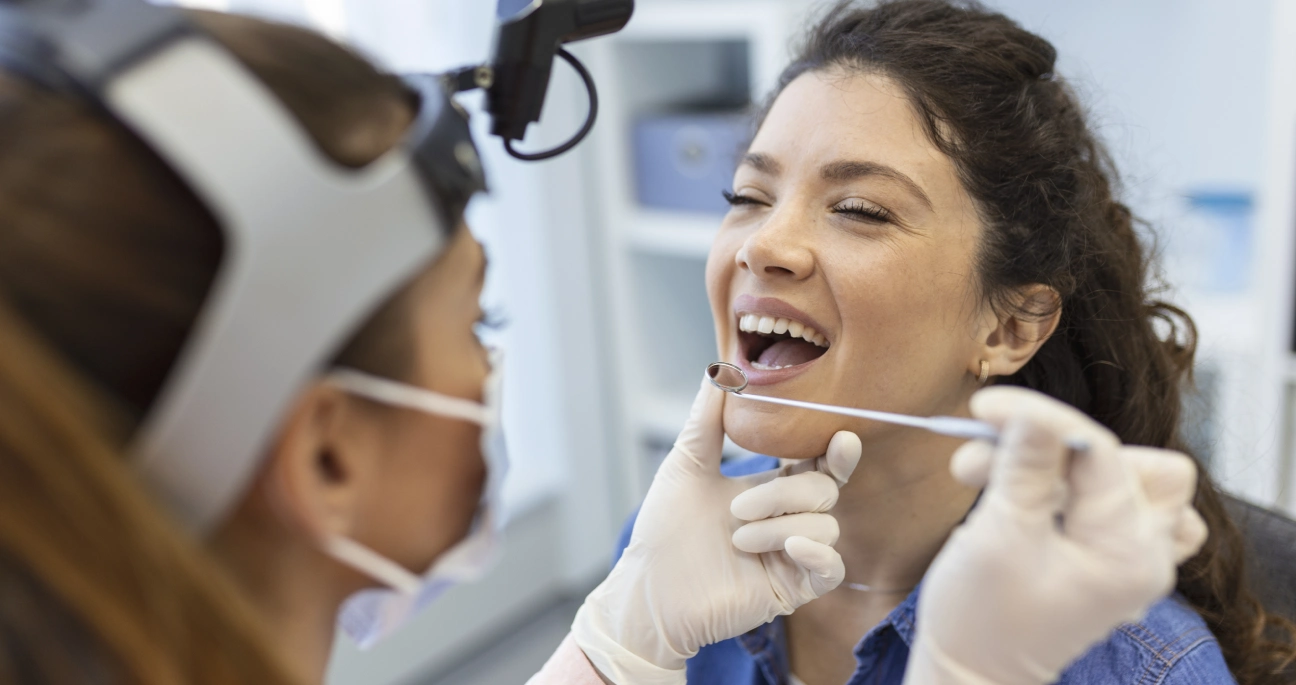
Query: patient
924, 210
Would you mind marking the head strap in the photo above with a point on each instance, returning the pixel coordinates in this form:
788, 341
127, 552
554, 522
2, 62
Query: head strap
311, 248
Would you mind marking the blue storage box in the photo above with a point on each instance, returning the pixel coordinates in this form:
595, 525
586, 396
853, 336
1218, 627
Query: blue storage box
684, 161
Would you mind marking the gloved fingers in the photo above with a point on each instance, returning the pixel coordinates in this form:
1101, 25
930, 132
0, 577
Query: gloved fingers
1162, 480
701, 442
1098, 469
770, 535
1027, 466
972, 462
1189, 535
838, 460
1169, 483
822, 562
1106, 498
805, 492
999, 404
759, 478
842, 457
1168, 478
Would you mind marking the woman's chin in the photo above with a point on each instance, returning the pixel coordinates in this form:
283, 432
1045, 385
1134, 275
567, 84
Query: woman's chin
777, 432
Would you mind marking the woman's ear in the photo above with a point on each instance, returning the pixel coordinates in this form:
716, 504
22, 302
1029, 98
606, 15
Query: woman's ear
1009, 342
316, 470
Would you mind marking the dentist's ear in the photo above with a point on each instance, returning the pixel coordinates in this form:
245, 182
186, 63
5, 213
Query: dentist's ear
1010, 339
315, 471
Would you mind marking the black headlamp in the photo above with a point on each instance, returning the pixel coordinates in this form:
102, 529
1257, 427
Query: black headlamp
441, 144
529, 35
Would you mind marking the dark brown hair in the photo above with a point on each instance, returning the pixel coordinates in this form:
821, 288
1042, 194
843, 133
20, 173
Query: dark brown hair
105, 261
1046, 189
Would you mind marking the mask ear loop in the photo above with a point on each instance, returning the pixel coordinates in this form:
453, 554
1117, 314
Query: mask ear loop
397, 394
406, 396
372, 564
409, 397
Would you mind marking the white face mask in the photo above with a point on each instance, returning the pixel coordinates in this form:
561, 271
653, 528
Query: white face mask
375, 614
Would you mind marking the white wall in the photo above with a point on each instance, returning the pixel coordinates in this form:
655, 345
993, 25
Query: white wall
1177, 86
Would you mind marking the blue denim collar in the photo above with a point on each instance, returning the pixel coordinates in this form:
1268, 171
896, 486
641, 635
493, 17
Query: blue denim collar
905, 616
768, 643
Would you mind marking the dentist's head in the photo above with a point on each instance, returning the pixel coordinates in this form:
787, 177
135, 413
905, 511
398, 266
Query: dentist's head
374, 473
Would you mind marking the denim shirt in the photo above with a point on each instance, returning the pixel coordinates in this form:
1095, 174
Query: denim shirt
1170, 646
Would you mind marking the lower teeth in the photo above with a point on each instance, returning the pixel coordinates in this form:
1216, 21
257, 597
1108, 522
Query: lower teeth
761, 367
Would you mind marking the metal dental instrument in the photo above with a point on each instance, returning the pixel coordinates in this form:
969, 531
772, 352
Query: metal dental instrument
733, 380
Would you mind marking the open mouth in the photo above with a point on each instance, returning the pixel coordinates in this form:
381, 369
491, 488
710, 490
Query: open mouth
771, 343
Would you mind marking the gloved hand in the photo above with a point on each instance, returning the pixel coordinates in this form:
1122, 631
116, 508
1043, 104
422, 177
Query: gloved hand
1015, 596
695, 573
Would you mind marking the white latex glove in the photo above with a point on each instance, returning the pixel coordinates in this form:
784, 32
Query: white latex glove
695, 573
1014, 597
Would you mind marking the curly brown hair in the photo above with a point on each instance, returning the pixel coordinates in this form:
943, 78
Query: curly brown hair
1046, 189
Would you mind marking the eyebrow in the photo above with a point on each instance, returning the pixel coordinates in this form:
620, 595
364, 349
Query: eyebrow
850, 170
842, 171
763, 163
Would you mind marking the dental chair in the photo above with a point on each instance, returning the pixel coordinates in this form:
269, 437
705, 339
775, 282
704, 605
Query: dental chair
1271, 554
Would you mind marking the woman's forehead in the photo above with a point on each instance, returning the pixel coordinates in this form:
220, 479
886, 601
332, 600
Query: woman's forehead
836, 117
836, 114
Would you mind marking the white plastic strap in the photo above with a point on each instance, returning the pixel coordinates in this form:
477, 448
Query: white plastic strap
372, 564
311, 248
410, 397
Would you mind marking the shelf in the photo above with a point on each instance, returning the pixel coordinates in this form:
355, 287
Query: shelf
674, 234
767, 25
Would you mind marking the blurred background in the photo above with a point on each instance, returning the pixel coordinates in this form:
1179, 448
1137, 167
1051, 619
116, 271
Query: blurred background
597, 257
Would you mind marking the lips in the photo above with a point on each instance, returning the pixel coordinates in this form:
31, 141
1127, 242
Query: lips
776, 341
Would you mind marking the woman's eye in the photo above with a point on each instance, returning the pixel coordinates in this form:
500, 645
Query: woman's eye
492, 320
738, 199
857, 210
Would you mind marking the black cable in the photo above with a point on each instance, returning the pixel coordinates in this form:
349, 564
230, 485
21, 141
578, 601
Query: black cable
589, 121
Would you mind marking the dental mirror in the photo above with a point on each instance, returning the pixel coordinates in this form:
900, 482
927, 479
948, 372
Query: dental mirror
727, 377
733, 380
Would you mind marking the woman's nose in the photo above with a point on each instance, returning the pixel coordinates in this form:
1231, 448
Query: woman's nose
777, 249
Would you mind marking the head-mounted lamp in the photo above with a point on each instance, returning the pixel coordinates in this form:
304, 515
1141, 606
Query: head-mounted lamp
311, 247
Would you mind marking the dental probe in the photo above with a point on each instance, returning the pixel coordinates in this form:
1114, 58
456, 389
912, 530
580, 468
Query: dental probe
733, 380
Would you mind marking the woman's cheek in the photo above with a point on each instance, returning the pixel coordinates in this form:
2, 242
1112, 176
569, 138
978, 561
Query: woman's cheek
720, 271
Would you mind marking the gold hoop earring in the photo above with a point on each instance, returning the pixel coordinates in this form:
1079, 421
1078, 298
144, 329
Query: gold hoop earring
985, 372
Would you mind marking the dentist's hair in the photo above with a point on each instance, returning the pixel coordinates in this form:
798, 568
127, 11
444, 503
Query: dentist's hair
105, 260
1047, 192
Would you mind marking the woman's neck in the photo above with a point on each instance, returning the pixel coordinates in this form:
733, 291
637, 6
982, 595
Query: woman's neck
895, 514
898, 509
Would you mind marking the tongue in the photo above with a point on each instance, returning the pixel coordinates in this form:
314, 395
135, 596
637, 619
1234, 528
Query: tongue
790, 353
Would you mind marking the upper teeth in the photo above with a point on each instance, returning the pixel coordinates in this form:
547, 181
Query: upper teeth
754, 323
